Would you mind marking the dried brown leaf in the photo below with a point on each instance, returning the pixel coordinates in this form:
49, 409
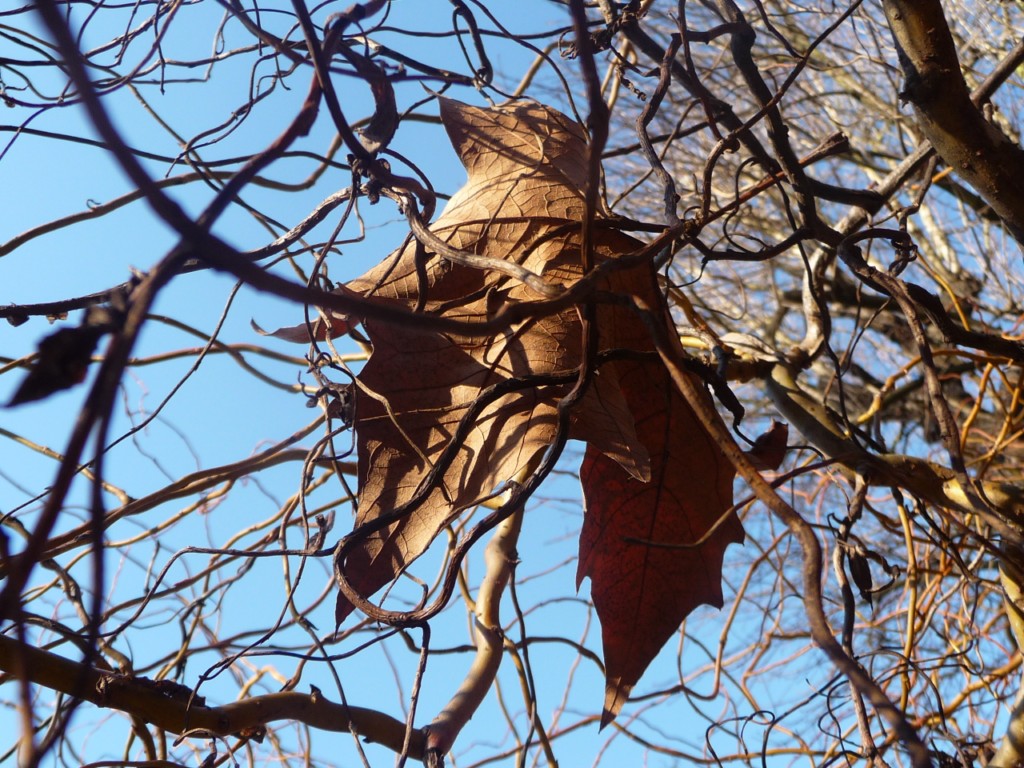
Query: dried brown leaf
652, 475
526, 167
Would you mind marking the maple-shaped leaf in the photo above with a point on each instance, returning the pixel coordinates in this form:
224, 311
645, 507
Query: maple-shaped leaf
652, 547
527, 169
658, 489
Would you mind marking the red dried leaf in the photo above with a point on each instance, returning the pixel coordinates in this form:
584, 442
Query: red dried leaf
648, 547
769, 449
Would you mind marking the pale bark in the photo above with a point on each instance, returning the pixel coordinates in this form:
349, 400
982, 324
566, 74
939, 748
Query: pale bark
973, 147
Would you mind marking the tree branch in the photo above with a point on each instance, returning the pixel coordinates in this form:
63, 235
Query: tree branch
671, 353
499, 556
973, 147
170, 707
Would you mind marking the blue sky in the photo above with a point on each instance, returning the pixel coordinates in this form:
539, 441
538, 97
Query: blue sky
223, 414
